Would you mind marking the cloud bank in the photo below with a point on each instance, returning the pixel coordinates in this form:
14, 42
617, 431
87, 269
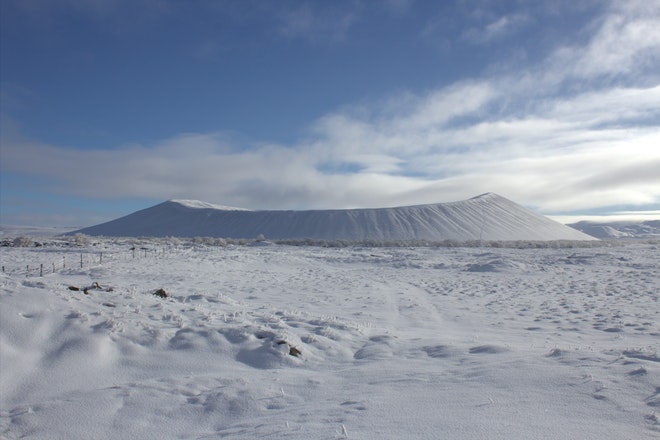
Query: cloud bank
578, 130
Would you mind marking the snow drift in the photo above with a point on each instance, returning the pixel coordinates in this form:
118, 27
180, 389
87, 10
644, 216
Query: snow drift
486, 217
394, 343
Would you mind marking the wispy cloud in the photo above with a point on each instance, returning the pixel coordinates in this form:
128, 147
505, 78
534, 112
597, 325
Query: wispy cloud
578, 130
317, 23
502, 26
626, 42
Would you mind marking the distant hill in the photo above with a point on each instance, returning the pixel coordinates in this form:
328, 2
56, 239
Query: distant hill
33, 231
624, 229
487, 217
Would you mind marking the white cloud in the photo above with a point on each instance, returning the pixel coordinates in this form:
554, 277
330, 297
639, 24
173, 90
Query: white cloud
544, 159
628, 105
503, 26
441, 106
627, 41
517, 134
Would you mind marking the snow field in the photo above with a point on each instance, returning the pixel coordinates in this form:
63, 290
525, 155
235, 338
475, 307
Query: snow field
392, 343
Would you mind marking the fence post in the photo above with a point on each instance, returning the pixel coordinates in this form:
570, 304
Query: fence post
63, 262
101, 258
27, 271
41, 270
81, 261
53, 267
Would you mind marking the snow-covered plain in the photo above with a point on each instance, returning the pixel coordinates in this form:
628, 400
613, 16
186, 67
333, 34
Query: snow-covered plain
288, 342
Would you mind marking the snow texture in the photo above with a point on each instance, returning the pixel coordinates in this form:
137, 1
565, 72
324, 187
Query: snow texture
486, 217
287, 342
620, 229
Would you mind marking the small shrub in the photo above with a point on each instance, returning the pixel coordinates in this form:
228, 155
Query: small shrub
81, 239
23, 242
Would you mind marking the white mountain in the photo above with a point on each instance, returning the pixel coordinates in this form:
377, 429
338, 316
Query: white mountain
486, 217
619, 229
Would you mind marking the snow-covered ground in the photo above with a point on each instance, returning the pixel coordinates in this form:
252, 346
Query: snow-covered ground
326, 343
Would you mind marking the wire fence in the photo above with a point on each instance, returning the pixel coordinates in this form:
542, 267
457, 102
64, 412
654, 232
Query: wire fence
46, 263
39, 262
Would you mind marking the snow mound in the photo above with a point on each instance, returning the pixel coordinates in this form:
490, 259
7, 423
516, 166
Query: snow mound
486, 217
497, 265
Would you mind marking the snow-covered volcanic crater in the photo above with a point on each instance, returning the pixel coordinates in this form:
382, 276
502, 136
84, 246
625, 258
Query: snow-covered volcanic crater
486, 217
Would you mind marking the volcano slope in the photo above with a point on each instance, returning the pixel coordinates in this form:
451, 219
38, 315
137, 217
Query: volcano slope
487, 217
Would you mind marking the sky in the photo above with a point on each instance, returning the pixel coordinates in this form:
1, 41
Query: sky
111, 106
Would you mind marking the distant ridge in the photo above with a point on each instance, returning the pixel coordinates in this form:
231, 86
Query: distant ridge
619, 229
486, 217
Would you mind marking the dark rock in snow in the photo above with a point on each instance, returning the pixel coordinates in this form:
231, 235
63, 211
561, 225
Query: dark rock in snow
160, 293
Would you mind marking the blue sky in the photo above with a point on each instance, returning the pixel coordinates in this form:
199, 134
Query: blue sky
110, 106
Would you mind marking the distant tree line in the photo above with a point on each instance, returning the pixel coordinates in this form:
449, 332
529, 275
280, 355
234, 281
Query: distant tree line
84, 240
